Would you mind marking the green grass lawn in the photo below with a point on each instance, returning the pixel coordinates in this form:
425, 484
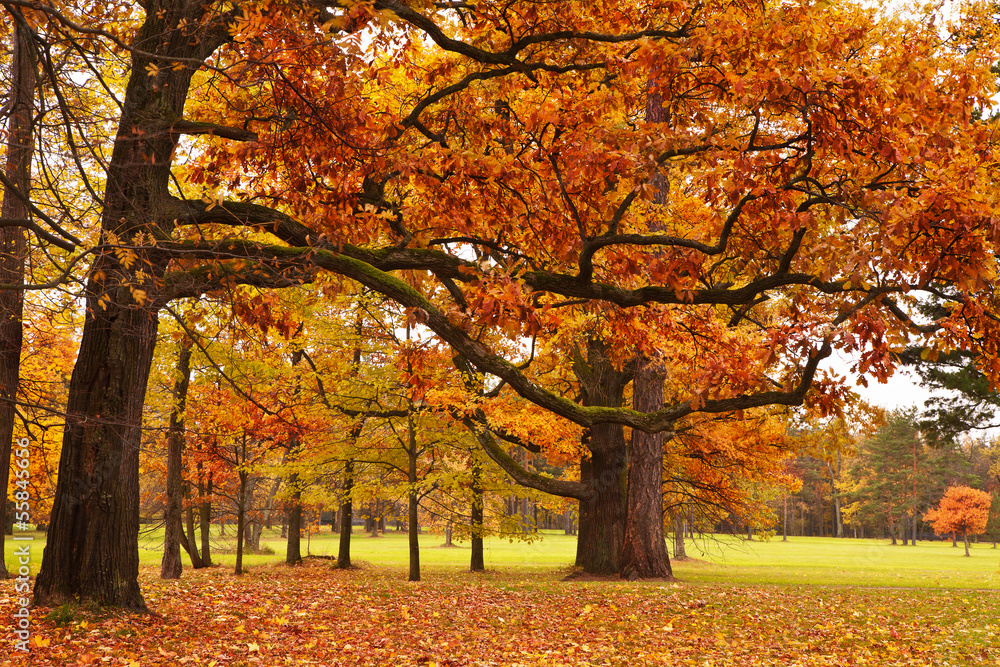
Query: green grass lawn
715, 559
806, 602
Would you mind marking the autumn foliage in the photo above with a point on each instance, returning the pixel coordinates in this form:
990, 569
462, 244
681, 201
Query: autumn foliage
963, 510
549, 198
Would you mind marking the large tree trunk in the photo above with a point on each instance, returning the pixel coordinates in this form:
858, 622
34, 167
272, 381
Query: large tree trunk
92, 552
644, 550
602, 518
583, 509
170, 566
606, 510
13, 248
478, 562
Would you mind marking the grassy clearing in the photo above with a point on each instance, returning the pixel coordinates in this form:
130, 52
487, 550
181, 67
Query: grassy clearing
836, 602
313, 615
716, 559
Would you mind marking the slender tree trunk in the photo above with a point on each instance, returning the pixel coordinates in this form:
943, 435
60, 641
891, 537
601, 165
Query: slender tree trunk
680, 529
170, 566
838, 519
346, 517
965, 535
250, 520
412, 499
478, 563
258, 528
241, 513
13, 246
293, 549
189, 543
784, 518
205, 522
92, 549
644, 550
913, 541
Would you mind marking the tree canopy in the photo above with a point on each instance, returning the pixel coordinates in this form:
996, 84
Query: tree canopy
719, 195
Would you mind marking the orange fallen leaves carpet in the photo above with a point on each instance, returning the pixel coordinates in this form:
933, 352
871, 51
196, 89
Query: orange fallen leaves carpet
317, 616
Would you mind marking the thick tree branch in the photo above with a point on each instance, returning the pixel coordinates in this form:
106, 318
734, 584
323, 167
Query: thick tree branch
192, 127
556, 487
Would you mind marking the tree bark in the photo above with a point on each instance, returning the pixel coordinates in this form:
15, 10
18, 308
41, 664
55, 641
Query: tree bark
477, 562
602, 516
293, 548
170, 566
205, 522
965, 535
346, 517
189, 543
644, 550
13, 245
601, 553
680, 529
585, 520
241, 514
92, 552
412, 498
784, 518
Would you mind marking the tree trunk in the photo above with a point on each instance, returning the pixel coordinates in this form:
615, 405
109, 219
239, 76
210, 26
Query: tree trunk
478, 563
293, 549
585, 520
13, 246
965, 535
601, 551
205, 522
784, 518
412, 498
680, 529
241, 513
644, 550
170, 566
838, 519
189, 543
258, 528
346, 517
602, 518
92, 552
250, 519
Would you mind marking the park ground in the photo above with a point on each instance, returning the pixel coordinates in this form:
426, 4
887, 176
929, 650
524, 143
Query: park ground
808, 601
